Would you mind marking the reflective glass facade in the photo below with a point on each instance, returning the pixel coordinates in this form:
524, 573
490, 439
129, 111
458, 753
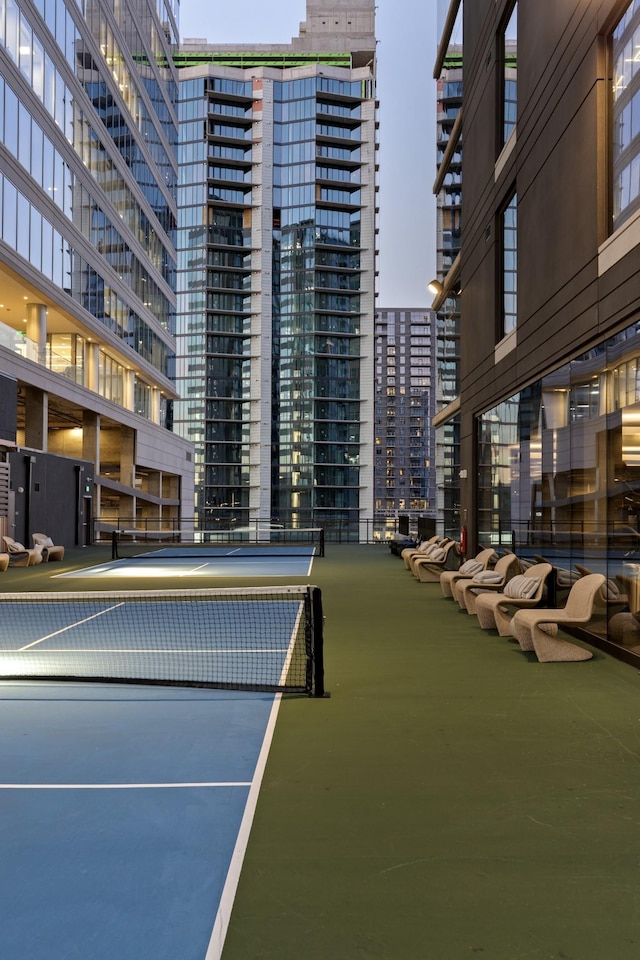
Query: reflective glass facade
88, 176
559, 473
275, 293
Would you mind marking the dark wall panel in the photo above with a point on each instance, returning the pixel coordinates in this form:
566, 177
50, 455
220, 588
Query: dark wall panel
8, 408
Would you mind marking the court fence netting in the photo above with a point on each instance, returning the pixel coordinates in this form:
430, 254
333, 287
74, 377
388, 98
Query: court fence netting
241, 638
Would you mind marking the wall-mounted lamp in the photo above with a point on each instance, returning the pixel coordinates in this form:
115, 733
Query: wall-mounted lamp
434, 287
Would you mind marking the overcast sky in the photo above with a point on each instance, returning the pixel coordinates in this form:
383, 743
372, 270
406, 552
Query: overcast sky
407, 39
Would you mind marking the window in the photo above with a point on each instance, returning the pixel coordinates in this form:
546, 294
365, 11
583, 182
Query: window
509, 61
509, 265
625, 40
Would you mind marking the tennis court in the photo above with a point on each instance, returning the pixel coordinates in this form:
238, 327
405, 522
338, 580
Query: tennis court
126, 808
125, 813
205, 561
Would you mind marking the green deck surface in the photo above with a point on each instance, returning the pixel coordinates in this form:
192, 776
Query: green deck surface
452, 798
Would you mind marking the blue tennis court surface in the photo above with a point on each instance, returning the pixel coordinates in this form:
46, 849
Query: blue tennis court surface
125, 813
222, 561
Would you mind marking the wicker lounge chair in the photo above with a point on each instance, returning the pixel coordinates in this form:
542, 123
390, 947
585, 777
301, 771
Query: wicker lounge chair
446, 557
537, 629
466, 591
495, 610
469, 568
409, 552
21, 556
50, 551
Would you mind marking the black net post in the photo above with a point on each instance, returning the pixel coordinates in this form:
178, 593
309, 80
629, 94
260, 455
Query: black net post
318, 643
321, 543
114, 545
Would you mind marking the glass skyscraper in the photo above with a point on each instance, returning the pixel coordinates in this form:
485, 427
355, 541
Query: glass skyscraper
276, 274
88, 172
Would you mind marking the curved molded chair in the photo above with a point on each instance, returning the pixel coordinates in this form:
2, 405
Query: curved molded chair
21, 556
424, 548
469, 568
428, 569
495, 611
49, 550
536, 629
4, 561
467, 591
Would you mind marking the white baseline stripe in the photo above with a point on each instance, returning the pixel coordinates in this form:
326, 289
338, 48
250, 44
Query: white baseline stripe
219, 932
121, 786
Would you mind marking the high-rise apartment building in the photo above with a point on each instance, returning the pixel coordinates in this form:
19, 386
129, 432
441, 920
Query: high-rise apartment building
405, 476
550, 313
276, 273
88, 170
448, 190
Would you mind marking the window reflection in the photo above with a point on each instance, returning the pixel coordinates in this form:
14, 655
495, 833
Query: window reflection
559, 475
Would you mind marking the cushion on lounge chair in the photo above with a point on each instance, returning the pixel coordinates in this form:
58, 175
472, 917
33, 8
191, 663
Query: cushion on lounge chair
43, 541
488, 576
14, 547
437, 554
470, 567
521, 587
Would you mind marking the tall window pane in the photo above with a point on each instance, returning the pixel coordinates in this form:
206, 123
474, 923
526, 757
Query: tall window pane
509, 239
625, 129
510, 75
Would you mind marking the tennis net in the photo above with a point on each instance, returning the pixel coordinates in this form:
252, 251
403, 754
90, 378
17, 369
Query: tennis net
257, 638
249, 539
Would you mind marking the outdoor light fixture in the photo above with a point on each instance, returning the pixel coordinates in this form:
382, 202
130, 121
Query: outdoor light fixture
434, 287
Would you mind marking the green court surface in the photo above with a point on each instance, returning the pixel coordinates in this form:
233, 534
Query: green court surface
452, 798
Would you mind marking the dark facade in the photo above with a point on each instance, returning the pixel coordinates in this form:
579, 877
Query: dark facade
550, 305
52, 495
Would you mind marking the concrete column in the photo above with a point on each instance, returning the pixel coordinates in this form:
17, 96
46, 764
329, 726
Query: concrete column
91, 438
36, 419
127, 456
37, 332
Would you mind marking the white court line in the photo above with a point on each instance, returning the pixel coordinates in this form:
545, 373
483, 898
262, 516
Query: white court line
70, 626
120, 786
220, 927
193, 570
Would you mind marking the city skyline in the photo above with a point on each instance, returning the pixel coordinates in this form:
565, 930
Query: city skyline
407, 149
